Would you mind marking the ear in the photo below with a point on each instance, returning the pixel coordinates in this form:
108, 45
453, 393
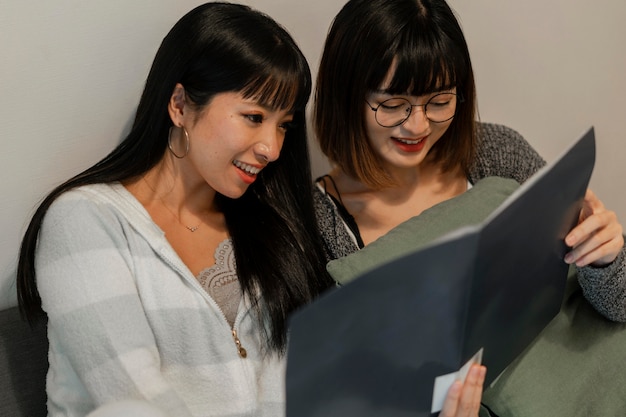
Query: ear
176, 105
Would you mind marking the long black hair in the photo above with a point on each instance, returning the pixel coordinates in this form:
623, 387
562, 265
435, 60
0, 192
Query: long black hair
215, 48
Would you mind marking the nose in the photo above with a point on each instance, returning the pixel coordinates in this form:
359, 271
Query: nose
268, 148
417, 121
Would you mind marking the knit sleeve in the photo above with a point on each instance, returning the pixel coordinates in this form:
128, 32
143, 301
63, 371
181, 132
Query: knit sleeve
605, 288
102, 348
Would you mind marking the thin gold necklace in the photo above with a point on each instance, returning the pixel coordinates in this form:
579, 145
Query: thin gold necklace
190, 228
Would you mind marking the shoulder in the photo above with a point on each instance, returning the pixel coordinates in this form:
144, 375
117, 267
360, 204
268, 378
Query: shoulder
78, 203
325, 209
102, 199
497, 132
336, 237
107, 209
504, 138
503, 152
75, 216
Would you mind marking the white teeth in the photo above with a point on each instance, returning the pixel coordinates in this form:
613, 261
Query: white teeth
248, 168
410, 142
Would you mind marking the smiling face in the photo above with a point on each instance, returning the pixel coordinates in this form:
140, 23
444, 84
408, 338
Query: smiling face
230, 140
406, 145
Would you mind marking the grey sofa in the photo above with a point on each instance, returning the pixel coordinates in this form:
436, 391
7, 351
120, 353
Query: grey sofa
23, 366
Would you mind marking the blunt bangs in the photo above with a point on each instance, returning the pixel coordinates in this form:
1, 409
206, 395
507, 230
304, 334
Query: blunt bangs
280, 89
280, 77
425, 61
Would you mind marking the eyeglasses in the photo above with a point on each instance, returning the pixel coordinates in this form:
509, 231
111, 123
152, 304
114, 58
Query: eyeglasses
395, 111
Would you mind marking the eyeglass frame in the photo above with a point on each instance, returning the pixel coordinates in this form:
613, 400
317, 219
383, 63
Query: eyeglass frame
459, 99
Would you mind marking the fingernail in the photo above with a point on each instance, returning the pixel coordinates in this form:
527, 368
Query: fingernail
568, 258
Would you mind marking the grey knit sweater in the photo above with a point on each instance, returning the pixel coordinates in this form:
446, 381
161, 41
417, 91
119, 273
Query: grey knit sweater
502, 152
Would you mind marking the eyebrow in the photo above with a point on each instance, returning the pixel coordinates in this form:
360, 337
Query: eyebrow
267, 107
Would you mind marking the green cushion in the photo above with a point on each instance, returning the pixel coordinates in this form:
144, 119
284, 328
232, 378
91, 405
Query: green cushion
576, 367
469, 208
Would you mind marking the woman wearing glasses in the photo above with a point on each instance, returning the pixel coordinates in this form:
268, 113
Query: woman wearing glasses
395, 113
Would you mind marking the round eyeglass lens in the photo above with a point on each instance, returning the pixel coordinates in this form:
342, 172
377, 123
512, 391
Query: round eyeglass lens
395, 111
441, 107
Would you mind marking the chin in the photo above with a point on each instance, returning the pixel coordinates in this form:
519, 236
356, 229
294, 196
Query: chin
234, 194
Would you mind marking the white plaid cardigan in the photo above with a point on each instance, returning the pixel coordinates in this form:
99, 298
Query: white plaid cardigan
127, 319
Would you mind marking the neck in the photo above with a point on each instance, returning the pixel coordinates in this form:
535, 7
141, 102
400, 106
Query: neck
170, 182
426, 176
166, 189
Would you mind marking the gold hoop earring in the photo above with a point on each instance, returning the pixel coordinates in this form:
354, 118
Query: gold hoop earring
169, 143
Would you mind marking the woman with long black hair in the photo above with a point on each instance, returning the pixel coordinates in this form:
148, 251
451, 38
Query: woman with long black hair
167, 270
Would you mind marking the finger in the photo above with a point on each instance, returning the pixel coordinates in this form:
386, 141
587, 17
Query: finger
585, 230
471, 395
596, 218
598, 255
599, 240
591, 206
591, 202
451, 402
463, 398
591, 225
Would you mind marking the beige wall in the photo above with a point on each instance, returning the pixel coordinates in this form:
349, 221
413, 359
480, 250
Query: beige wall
71, 72
550, 69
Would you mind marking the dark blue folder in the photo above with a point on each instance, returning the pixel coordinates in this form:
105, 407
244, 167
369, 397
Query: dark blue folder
375, 346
